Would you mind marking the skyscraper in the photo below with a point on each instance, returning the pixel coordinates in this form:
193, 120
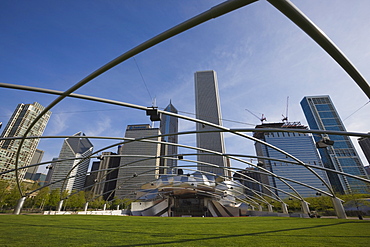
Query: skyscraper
301, 146
365, 146
137, 166
105, 175
342, 156
245, 177
72, 149
37, 157
207, 108
169, 125
19, 122
50, 170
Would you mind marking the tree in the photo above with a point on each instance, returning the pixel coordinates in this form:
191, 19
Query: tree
293, 204
76, 200
355, 203
4, 191
42, 198
12, 197
322, 204
54, 199
97, 203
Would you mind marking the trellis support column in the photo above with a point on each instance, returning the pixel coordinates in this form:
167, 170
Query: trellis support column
104, 206
19, 206
60, 205
305, 207
338, 207
260, 208
86, 206
284, 207
269, 206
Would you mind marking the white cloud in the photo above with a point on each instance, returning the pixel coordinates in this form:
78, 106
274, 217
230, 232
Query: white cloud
58, 123
101, 125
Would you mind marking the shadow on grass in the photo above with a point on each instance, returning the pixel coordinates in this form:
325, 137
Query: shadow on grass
233, 235
91, 228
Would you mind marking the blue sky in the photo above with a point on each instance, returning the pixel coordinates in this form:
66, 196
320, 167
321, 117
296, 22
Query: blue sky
259, 55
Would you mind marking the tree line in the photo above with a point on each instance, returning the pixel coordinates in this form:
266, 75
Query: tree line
46, 199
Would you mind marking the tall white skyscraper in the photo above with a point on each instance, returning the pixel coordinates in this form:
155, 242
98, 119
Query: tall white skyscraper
72, 148
136, 167
19, 122
207, 108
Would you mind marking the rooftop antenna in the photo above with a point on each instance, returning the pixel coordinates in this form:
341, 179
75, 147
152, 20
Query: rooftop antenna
285, 118
262, 118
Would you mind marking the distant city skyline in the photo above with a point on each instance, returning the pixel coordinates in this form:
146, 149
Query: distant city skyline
260, 57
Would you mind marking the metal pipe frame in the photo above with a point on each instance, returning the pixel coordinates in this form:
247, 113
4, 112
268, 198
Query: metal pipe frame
147, 139
284, 6
208, 164
230, 157
208, 173
144, 174
127, 140
156, 157
193, 170
221, 128
214, 12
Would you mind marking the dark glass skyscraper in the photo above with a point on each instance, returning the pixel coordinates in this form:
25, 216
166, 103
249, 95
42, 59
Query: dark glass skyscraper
169, 125
301, 146
365, 146
342, 156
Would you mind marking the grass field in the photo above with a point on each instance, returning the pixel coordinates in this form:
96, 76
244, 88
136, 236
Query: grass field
79, 230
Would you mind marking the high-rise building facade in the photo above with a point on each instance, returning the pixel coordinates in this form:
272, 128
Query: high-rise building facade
138, 163
342, 156
104, 175
247, 178
365, 146
91, 178
17, 126
37, 157
169, 125
207, 108
301, 146
50, 170
71, 158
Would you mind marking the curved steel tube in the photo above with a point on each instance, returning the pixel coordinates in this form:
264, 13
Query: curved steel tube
194, 120
303, 22
286, 7
214, 12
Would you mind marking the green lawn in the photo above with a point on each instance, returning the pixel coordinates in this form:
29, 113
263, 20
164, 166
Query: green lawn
81, 230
